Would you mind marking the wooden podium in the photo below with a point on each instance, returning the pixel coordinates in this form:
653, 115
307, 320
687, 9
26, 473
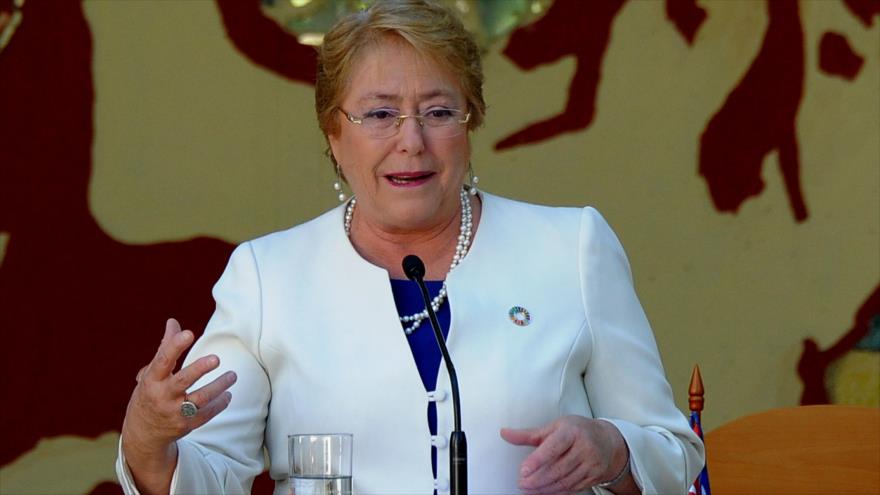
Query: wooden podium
803, 450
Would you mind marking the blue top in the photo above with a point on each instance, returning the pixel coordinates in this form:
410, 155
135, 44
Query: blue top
422, 342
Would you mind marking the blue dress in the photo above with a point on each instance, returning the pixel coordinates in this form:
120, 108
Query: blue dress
422, 342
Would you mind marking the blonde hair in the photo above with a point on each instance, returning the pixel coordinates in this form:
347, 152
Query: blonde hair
432, 29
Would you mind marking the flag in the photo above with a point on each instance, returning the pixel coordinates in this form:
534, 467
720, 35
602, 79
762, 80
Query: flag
701, 484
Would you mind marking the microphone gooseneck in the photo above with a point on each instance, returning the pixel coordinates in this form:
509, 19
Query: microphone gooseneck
415, 271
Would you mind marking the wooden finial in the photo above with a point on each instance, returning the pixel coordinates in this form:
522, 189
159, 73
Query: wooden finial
695, 391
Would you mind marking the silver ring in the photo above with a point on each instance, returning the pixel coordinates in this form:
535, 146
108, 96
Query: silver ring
188, 409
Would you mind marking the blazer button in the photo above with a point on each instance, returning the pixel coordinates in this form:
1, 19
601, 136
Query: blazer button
437, 396
441, 484
438, 441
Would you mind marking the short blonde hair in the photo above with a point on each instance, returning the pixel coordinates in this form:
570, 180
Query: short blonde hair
432, 29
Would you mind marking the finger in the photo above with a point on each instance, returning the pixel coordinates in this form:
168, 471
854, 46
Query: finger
523, 436
582, 478
562, 476
211, 409
551, 448
140, 374
172, 327
209, 392
170, 350
188, 375
575, 482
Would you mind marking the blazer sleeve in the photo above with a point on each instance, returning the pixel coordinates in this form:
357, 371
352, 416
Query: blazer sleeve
224, 455
624, 378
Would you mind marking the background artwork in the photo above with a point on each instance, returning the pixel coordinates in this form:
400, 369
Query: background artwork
731, 144
79, 308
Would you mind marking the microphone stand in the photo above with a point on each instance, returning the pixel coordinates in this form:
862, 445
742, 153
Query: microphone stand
415, 270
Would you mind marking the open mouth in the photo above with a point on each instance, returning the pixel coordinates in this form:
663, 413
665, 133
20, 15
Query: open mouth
409, 178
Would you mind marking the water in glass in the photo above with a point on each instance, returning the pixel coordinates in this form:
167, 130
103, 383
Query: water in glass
321, 485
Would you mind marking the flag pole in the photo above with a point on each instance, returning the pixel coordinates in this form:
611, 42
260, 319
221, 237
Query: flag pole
696, 401
696, 392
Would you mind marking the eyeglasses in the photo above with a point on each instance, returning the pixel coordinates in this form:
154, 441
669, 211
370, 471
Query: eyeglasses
437, 122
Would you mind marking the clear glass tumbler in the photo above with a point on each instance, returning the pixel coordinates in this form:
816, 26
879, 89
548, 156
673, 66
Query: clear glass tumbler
320, 464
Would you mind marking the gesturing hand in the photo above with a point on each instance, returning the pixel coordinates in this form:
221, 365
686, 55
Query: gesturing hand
573, 453
153, 420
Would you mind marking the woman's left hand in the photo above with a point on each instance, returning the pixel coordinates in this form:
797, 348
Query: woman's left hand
573, 453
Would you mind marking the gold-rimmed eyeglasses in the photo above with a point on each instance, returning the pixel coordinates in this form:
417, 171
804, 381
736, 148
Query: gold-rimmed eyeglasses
439, 122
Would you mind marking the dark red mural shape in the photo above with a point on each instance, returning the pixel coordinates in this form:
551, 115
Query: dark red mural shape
80, 312
106, 488
569, 27
265, 43
814, 362
837, 58
758, 117
581, 29
687, 17
865, 10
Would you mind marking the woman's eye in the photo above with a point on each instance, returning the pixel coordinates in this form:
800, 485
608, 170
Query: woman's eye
380, 115
439, 113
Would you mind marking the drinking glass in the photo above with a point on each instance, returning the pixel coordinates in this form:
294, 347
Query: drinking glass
320, 464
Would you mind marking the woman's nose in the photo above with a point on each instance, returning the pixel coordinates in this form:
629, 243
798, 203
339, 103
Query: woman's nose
410, 136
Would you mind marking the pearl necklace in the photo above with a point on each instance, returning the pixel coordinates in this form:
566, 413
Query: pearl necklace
461, 250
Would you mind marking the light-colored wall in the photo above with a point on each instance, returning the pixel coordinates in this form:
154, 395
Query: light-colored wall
192, 139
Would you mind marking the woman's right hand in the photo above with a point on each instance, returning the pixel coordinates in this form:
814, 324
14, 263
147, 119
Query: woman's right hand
153, 419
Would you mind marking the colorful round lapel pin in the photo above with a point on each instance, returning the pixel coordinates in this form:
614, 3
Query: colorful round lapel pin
519, 316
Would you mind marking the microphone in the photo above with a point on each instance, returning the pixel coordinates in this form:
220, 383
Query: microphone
415, 271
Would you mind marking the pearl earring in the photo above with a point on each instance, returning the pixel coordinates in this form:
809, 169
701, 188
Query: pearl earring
337, 185
473, 180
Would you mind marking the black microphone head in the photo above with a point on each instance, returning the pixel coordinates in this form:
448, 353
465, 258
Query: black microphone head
413, 267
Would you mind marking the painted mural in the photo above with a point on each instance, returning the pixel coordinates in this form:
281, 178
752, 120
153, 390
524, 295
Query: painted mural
83, 298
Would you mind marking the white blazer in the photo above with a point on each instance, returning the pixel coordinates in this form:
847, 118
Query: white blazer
312, 331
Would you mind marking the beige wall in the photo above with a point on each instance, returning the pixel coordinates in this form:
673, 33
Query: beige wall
192, 139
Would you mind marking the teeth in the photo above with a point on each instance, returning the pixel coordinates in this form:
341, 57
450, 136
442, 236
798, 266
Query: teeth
403, 180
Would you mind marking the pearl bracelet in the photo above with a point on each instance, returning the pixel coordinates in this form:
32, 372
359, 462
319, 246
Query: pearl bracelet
619, 477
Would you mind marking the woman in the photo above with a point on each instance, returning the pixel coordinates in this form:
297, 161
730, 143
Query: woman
316, 328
